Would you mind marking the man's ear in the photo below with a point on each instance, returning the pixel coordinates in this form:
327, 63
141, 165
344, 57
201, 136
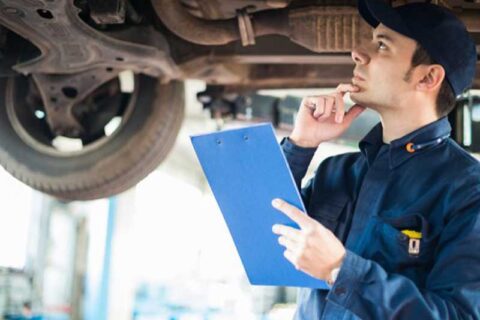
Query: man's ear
432, 77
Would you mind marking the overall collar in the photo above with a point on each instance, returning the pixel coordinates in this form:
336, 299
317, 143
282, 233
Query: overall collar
399, 150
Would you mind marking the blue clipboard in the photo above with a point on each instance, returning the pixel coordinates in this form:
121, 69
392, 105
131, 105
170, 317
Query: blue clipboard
246, 169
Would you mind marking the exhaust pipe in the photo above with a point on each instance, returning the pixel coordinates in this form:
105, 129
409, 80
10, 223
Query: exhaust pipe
215, 32
318, 28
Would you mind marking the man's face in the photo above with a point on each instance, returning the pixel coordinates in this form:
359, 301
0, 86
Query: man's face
381, 65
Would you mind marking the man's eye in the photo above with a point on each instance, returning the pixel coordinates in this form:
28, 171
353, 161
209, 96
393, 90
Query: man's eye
381, 45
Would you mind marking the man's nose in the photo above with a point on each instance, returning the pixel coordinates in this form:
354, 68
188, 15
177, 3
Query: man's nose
359, 56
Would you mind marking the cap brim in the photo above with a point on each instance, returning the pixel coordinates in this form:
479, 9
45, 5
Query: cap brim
378, 11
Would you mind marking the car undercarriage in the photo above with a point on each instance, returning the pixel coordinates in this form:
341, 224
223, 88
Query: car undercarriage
71, 69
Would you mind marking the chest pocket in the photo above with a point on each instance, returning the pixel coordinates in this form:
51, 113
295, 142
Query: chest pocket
395, 251
327, 209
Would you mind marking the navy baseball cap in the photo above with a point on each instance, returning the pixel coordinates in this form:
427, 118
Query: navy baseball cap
436, 29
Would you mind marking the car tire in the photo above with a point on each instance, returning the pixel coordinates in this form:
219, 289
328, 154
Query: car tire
141, 144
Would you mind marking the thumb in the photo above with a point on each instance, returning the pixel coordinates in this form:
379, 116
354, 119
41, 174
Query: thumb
353, 113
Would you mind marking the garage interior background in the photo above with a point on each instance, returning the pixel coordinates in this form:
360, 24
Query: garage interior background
158, 251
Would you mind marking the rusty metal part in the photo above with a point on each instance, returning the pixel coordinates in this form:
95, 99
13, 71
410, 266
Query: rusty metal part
327, 29
132, 13
75, 58
293, 76
107, 11
277, 76
216, 71
318, 28
193, 8
270, 71
246, 29
285, 59
471, 19
68, 45
277, 4
216, 32
222, 9
193, 29
461, 4
60, 93
324, 72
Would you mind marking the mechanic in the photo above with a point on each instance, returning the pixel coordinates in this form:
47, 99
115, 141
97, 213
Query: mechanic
394, 229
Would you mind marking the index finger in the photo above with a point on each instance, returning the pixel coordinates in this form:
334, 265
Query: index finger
290, 233
340, 105
293, 213
346, 87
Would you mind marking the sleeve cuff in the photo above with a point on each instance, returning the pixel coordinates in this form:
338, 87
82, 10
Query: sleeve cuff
299, 155
352, 272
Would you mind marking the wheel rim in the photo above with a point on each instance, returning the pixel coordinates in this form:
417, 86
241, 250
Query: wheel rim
24, 109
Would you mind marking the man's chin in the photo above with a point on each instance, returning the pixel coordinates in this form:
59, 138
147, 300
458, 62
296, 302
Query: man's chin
358, 97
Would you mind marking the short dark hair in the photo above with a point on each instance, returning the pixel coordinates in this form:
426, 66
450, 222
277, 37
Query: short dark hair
446, 98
